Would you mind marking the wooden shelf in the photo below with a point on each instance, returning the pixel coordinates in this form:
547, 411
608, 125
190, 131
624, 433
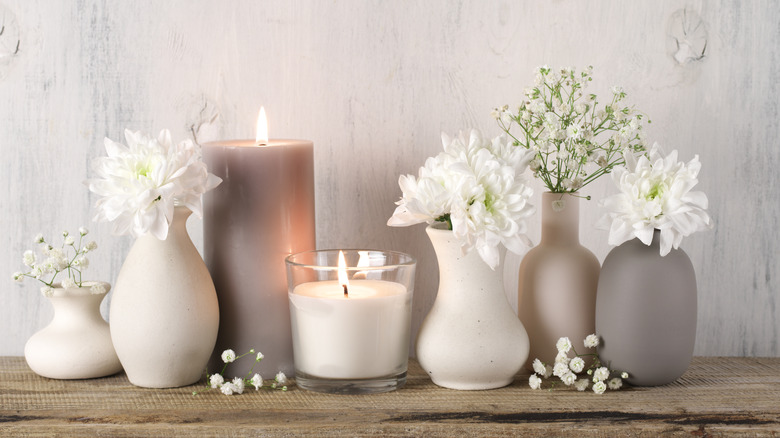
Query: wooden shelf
717, 396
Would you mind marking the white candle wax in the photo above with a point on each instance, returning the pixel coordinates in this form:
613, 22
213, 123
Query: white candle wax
365, 335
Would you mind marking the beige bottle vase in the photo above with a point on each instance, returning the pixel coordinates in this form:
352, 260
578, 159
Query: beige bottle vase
557, 281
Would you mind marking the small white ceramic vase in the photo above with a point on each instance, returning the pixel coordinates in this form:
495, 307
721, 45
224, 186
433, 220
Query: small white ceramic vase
77, 342
471, 339
164, 312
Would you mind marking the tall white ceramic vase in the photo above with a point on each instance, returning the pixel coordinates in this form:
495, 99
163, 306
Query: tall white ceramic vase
471, 339
77, 342
164, 312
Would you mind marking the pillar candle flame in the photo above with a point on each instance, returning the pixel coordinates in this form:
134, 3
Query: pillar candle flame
262, 128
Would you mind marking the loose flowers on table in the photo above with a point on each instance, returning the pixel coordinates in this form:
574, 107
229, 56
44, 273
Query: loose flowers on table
656, 193
70, 257
573, 140
475, 186
238, 384
568, 369
142, 182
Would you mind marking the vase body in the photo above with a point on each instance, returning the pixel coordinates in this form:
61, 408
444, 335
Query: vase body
77, 342
471, 339
557, 281
164, 312
646, 312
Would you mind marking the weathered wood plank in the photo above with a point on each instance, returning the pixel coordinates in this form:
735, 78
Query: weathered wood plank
717, 396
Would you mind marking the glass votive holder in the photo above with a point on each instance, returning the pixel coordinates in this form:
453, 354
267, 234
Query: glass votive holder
350, 324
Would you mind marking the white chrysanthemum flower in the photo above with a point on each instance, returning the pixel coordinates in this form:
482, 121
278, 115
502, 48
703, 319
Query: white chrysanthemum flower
560, 369
591, 341
581, 384
539, 367
568, 379
601, 374
534, 382
479, 183
68, 283
599, 387
228, 356
140, 183
656, 194
577, 364
97, 289
256, 381
615, 383
216, 380
563, 345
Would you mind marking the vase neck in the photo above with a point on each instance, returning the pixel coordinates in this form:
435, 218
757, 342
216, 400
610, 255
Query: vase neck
560, 219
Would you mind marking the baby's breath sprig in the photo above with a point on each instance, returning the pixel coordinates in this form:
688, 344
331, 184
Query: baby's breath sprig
575, 141
567, 369
237, 385
70, 257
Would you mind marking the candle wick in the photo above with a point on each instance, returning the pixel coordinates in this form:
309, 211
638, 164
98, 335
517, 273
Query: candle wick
346, 292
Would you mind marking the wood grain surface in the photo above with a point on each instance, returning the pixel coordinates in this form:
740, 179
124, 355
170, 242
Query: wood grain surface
373, 84
716, 397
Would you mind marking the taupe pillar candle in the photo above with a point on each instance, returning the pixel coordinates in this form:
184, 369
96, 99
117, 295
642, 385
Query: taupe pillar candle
262, 212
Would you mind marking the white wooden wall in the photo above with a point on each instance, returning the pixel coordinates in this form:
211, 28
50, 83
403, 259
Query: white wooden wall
373, 83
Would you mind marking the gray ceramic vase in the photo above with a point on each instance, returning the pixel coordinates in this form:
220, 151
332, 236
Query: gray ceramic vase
646, 312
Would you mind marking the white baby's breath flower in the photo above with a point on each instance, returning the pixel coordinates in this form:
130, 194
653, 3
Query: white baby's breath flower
568, 379
238, 384
534, 382
228, 356
581, 384
560, 369
38, 238
47, 291
228, 388
83, 231
656, 194
577, 364
18, 277
29, 258
558, 205
91, 246
69, 240
591, 341
256, 381
140, 183
538, 367
68, 283
624, 375
563, 345
280, 378
615, 383
97, 289
601, 374
216, 380
259, 357
599, 387
562, 357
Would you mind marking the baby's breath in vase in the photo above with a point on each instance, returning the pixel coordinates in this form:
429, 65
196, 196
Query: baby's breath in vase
76, 344
573, 139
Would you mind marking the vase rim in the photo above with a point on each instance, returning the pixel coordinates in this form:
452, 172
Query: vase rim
403, 259
84, 290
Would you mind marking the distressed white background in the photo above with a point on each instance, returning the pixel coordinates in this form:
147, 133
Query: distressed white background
373, 83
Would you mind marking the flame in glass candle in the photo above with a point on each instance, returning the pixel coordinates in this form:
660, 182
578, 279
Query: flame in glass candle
262, 128
343, 280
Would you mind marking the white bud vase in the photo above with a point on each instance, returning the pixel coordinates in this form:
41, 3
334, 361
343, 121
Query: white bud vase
471, 339
164, 312
77, 342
